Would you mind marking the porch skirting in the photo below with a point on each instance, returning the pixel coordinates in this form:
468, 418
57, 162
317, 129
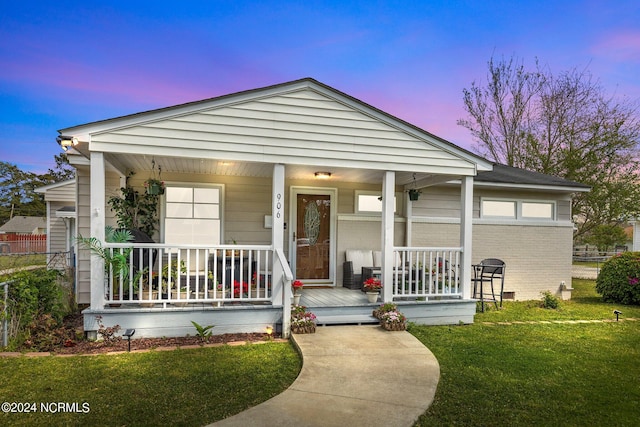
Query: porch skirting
176, 321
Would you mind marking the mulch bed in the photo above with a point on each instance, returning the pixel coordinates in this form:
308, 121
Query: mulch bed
73, 324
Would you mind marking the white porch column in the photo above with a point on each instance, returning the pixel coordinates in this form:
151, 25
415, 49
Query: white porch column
96, 217
388, 205
277, 234
466, 219
409, 225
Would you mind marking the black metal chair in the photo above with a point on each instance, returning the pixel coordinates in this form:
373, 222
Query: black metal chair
487, 271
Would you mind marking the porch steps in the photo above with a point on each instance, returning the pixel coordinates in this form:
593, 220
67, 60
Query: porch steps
346, 319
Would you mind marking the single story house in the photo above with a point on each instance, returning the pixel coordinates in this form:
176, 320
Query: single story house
270, 185
25, 225
23, 234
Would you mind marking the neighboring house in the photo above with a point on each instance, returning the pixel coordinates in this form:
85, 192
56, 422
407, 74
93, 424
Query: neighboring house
60, 198
294, 175
25, 225
23, 234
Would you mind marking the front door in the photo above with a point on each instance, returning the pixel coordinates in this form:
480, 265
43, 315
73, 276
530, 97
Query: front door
313, 236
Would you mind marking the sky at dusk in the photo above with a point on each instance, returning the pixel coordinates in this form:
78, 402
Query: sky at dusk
68, 63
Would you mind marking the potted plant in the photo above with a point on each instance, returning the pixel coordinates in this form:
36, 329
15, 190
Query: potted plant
302, 321
116, 262
297, 286
414, 194
383, 309
154, 186
372, 288
393, 321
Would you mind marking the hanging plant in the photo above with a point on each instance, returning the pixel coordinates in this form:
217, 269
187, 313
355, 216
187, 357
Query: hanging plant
414, 193
154, 187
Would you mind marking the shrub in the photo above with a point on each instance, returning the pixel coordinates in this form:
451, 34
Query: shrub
33, 294
550, 301
619, 279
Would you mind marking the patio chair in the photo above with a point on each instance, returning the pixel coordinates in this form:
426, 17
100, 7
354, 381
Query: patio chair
142, 237
487, 271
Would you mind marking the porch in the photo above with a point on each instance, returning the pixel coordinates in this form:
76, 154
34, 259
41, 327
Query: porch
247, 289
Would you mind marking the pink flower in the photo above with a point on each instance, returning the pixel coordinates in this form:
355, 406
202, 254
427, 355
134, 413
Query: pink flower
633, 281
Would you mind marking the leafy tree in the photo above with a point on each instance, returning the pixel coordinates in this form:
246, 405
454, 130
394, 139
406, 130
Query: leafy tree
63, 171
17, 195
561, 125
606, 236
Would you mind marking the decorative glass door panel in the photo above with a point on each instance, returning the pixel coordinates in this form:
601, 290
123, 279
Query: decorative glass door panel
313, 236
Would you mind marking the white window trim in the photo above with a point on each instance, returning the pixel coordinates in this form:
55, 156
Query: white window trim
162, 215
519, 216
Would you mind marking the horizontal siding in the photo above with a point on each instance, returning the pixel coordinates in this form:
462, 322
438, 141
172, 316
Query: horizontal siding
83, 273
564, 210
298, 128
83, 210
441, 202
64, 193
444, 201
57, 233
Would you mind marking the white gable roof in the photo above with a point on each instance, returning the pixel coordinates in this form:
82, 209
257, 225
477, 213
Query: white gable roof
302, 122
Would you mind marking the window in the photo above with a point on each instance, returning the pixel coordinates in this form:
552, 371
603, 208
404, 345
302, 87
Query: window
192, 215
370, 202
518, 209
537, 210
499, 208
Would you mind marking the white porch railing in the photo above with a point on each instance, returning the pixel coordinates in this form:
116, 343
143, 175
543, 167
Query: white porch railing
427, 272
184, 274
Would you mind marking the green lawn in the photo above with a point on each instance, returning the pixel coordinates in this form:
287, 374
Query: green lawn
538, 374
491, 374
177, 388
15, 261
585, 304
593, 264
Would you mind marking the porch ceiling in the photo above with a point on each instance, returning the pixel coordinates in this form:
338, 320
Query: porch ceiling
140, 163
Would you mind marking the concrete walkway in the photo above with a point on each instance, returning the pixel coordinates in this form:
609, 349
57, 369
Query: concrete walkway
352, 376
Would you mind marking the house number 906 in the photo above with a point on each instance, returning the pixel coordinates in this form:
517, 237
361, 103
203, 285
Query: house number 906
278, 205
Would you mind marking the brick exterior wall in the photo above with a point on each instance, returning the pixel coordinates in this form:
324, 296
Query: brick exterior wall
538, 258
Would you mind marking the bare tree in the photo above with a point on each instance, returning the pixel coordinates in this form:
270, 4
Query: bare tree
561, 125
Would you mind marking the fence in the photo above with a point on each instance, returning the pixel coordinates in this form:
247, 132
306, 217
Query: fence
23, 243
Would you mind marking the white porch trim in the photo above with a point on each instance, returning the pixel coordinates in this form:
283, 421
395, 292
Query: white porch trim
388, 259
466, 225
96, 215
277, 234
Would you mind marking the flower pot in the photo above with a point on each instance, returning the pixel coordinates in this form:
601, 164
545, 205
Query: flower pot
414, 195
155, 189
147, 295
303, 329
296, 299
394, 326
183, 296
372, 297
